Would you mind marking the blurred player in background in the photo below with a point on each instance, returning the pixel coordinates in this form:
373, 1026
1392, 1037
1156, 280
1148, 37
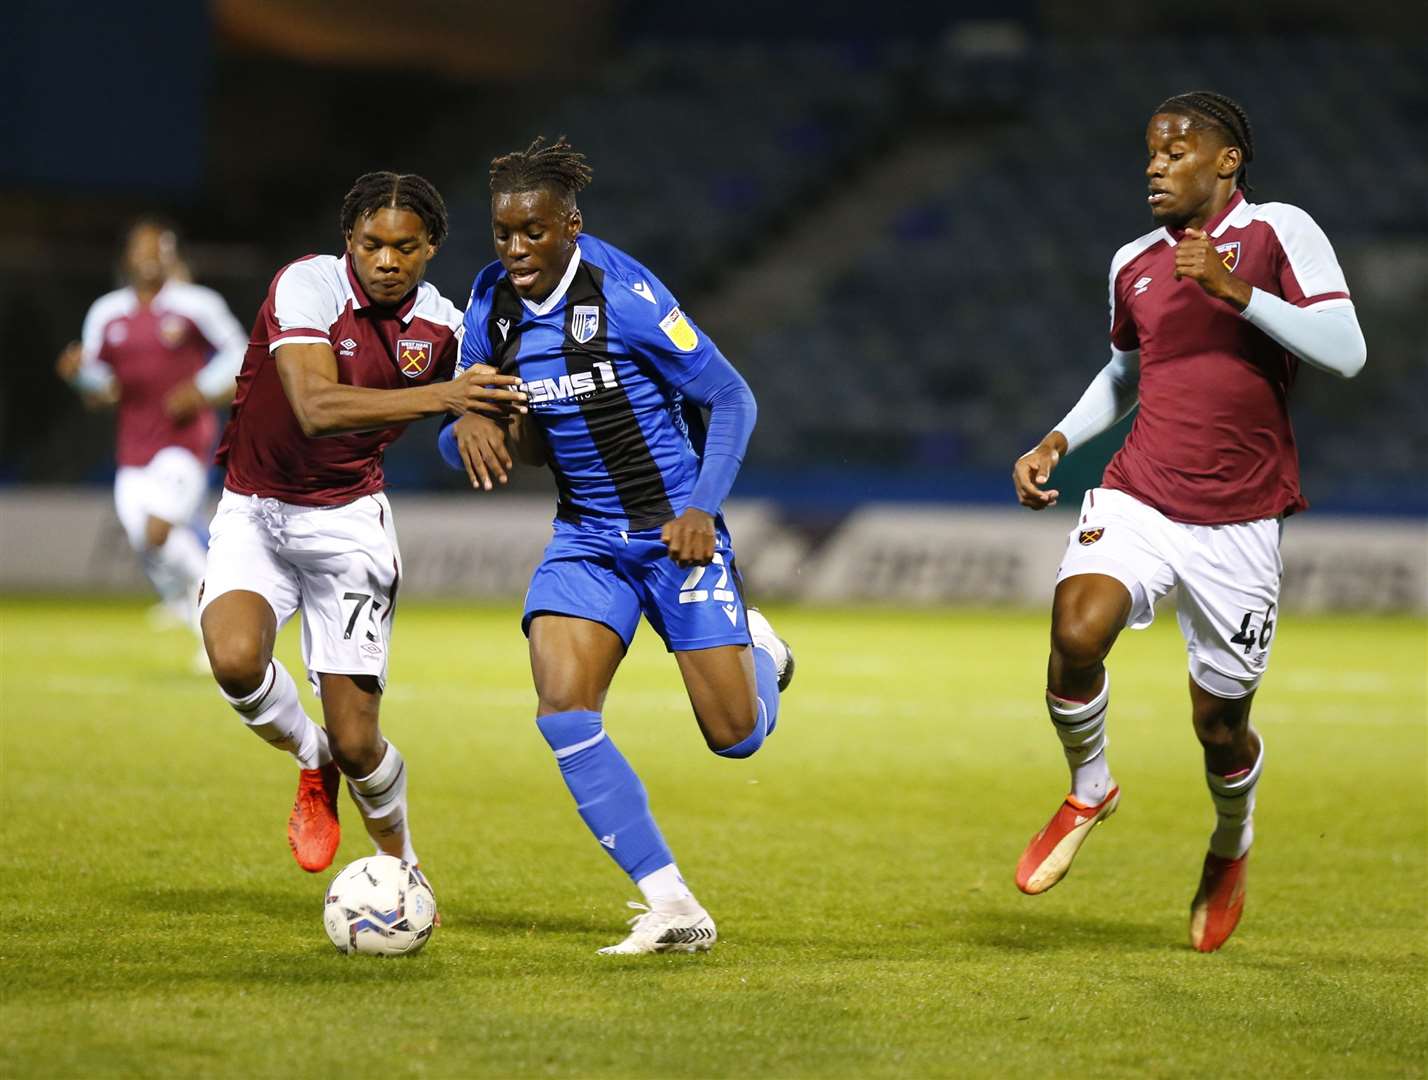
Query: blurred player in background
346, 351
616, 374
163, 352
1211, 315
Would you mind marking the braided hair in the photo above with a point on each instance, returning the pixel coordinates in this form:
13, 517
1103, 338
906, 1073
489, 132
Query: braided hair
1208, 110
559, 167
375, 191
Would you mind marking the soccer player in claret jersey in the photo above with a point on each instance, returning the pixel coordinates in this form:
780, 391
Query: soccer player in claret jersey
163, 352
345, 352
1212, 313
617, 374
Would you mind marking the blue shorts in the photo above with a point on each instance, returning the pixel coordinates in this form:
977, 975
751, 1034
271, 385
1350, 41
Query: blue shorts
612, 578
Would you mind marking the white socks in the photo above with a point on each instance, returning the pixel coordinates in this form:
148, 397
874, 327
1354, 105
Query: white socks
274, 714
1233, 797
664, 887
382, 799
1082, 729
175, 571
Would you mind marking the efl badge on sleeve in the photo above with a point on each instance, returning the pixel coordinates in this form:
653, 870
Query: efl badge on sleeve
1229, 254
676, 327
413, 357
584, 322
1090, 536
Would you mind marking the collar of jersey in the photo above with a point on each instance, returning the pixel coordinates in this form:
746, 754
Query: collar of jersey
546, 306
1217, 224
361, 300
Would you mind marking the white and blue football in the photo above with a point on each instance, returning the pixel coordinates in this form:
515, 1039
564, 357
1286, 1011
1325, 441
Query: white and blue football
380, 906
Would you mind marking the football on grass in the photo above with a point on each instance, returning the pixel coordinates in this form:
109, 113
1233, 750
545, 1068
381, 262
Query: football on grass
380, 906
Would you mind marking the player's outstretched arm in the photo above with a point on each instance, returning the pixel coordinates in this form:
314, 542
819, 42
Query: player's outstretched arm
1110, 397
325, 406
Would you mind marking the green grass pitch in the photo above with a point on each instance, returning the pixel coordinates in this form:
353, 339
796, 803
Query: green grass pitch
859, 868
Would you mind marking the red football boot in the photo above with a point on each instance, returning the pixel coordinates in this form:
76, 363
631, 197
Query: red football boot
1216, 909
1048, 856
313, 831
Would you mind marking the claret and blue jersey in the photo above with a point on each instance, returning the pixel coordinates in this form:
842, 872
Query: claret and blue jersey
605, 360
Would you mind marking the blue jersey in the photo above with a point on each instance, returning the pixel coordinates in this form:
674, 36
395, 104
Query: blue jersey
603, 360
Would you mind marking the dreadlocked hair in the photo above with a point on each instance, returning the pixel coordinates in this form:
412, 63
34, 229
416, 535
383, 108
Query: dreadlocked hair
1207, 109
559, 167
375, 191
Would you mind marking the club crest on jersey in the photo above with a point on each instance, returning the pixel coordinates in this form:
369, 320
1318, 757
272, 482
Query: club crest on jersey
584, 322
1090, 536
171, 330
676, 327
1229, 254
413, 357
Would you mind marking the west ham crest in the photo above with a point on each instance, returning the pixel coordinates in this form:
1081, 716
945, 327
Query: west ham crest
413, 357
1090, 536
1229, 254
584, 322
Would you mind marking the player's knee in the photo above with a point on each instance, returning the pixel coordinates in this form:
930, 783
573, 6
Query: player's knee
1080, 641
728, 727
356, 750
239, 662
564, 699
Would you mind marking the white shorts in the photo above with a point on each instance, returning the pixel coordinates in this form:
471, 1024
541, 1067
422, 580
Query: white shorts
170, 487
338, 565
1228, 579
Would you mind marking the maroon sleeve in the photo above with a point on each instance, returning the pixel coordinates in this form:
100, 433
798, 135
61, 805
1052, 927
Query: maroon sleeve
1124, 335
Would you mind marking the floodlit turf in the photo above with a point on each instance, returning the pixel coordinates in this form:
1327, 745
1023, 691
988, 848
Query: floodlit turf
859, 868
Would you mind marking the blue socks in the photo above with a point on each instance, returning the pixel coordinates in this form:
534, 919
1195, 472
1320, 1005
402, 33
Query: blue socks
608, 794
766, 680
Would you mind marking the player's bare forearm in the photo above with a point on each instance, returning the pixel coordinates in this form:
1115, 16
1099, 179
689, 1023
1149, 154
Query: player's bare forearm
323, 406
525, 441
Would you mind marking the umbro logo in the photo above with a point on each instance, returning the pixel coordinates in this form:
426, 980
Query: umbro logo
644, 292
348, 347
1142, 285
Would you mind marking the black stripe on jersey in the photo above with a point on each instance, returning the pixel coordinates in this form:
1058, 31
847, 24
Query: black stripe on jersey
609, 414
506, 307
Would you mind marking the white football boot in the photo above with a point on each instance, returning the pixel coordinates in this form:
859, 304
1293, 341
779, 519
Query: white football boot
680, 926
765, 638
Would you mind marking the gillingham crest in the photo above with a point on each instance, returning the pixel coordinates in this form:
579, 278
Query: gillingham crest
584, 322
413, 357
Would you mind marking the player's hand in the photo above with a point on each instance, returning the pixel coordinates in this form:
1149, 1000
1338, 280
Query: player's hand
69, 362
184, 402
690, 538
1197, 259
482, 389
481, 442
1033, 469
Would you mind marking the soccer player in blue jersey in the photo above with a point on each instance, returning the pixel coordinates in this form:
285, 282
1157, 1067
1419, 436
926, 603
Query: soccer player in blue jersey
616, 376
